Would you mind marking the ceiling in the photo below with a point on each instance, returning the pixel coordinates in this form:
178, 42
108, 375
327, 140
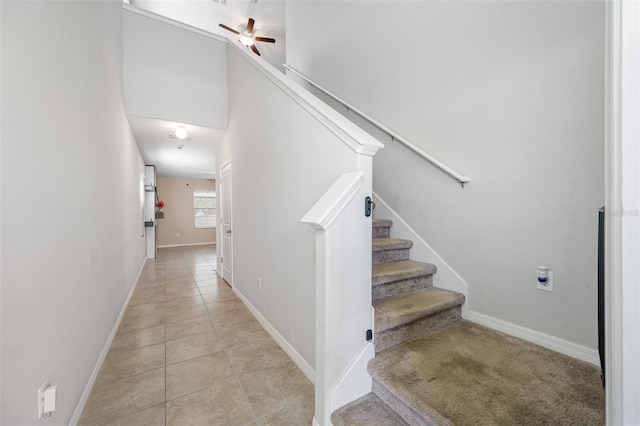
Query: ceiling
191, 87
196, 158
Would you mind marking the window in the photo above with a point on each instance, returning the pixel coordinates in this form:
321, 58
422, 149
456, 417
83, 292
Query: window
204, 208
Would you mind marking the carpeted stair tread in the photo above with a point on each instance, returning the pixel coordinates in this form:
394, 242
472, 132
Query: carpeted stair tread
471, 375
381, 244
381, 223
394, 271
391, 312
366, 411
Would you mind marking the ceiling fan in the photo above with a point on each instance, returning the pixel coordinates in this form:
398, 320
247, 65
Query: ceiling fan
248, 38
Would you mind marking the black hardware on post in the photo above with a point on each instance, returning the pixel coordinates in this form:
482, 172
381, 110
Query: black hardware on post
367, 206
369, 335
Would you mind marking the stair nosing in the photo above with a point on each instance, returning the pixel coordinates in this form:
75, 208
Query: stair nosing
387, 321
413, 269
386, 243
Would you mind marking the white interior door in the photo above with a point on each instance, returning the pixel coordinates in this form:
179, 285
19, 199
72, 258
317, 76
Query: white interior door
225, 222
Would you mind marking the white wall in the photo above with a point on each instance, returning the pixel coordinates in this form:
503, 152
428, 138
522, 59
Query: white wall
206, 15
282, 163
71, 220
172, 73
508, 93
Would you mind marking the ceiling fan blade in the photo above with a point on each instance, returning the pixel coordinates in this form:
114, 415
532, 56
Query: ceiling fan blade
265, 39
250, 25
229, 29
255, 49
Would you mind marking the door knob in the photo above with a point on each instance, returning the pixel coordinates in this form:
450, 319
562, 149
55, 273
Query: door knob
229, 231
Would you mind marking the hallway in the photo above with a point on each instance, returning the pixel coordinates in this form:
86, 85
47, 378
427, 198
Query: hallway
188, 352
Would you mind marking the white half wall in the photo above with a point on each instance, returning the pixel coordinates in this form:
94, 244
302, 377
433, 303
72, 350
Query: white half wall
510, 94
71, 202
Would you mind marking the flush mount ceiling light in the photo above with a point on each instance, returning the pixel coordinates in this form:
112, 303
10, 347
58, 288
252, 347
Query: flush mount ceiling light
247, 37
180, 133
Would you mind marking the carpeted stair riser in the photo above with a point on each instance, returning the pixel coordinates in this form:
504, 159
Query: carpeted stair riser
395, 336
403, 410
390, 279
381, 232
387, 250
368, 410
394, 288
381, 228
387, 256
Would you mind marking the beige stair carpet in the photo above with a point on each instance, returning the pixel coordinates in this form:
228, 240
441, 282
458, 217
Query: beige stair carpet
466, 374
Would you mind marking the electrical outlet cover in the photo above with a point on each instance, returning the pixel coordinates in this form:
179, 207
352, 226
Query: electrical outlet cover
41, 391
549, 285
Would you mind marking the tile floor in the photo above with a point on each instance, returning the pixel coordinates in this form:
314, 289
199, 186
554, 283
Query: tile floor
188, 352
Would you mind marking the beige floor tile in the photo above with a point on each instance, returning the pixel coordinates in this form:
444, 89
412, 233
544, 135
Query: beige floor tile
154, 416
197, 374
192, 347
144, 292
222, 306
151, 283
184, 302
209, 276
138, 338
144, 309
298, 412
143, 321
203, 271
120, 364
182, 291
148, 295
272, 389
209, 289
255, 356
220, 295
112, 400
202, 325
183, 314
203, 281
224, 403
178, 275
182, 282
223, 320
240, 334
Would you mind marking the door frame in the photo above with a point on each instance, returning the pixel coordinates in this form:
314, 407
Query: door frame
225, 191
622, 197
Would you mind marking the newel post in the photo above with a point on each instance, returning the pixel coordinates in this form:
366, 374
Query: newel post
343, 294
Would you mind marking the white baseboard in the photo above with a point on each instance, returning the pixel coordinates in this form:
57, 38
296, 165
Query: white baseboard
556, 344
446, 277
84, 396
295, 356
188, 245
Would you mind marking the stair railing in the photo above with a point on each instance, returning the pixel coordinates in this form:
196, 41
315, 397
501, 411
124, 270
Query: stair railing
462, 179
344, 315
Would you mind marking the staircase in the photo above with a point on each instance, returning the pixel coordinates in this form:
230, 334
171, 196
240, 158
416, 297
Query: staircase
433, 368
405, 301
407, 306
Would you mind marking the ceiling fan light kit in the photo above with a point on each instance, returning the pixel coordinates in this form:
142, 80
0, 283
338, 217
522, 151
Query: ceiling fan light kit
247, 38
